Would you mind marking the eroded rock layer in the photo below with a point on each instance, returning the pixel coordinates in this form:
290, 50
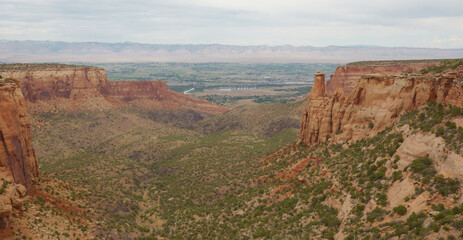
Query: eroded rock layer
156, 95
376, 101
18, 162
72, 83
346, 77
87, 88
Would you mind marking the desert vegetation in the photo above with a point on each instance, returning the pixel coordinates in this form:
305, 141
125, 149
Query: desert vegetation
224, 177
156, 173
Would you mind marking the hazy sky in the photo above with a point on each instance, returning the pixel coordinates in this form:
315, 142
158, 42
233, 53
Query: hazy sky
412, 23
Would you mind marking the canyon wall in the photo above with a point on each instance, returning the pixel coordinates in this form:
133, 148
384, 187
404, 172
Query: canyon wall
69, 83
17, 158
66, 87
346, 77
375, 102
156, 95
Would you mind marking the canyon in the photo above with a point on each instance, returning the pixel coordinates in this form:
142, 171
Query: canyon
50, 87
354, 167
61, 89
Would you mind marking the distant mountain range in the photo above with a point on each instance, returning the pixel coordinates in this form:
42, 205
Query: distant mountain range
68, 52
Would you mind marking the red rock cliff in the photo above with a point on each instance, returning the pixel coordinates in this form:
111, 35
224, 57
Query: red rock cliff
377, 100
346, 77
69, 83
156, 95
70, 88
87, 88
17, 158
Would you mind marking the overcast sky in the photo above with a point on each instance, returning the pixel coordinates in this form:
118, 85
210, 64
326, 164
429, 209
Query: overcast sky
412, 23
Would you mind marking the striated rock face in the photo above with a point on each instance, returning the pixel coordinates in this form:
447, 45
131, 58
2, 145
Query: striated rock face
87, 88
313, 115
375, 102
73, 83
346, 77
156, 95
17, 158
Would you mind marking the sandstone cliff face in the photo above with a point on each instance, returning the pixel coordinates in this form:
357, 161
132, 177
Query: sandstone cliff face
49, 89
87, 88
375, 102
346, 77
17, 158
74, 83
156, 95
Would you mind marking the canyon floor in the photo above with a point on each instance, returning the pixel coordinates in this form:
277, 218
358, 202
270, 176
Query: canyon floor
139, 169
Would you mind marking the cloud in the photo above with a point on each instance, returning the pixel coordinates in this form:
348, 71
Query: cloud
249, 22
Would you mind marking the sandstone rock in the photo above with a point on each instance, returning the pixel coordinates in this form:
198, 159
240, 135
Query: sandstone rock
399, 190
17, 158
22, 191
370, 206
10, 200
156, 95
420, 145
427, 222
418, 204
16, 202
346, 77
69, 83
377, 100
458, 122
87, 88
452, 167
347, 206
6, 210
313, 115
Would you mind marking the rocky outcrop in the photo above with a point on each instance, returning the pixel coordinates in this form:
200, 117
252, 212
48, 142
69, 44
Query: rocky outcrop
70, 83
156, 95
420, 145
11, 202
346, 77
376, 102
18, 163
17, 158
65, 87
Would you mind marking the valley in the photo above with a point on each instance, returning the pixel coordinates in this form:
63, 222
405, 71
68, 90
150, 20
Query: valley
375, 152
228, 84
144, 170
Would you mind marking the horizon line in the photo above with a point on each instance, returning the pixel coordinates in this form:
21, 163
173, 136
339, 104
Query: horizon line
236, 45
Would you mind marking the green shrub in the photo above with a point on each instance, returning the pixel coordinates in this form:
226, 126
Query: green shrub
415, 223
400, 210
376, 214
450, 125
444, 65
440, 131
396, 175
358, 210
423, 166
446, 186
